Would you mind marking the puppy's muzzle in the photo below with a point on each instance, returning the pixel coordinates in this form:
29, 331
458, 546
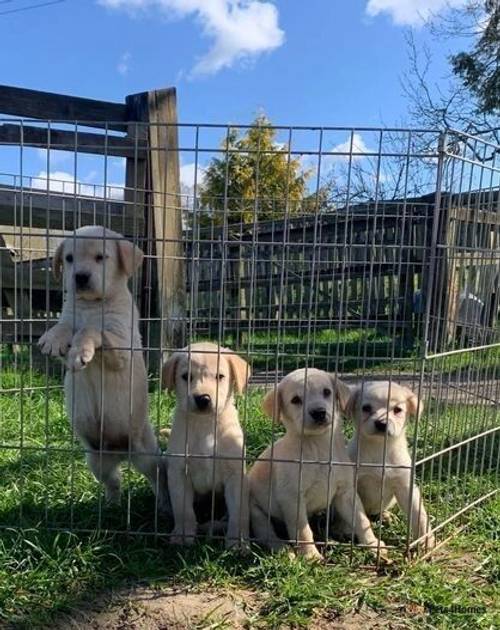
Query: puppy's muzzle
318, 415
202, 402
381, 425
82, 280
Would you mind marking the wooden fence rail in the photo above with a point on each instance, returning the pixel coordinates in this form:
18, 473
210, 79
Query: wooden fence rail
354, 265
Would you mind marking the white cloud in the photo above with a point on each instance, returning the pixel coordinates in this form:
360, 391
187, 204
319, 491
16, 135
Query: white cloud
410, 12
55, 157
63, 182
239, 29
123, 64
343, 149
187, 173
359, 148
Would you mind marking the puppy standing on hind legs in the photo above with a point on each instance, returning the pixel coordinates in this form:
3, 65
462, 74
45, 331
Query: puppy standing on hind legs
380, 410
206, 445
98, 337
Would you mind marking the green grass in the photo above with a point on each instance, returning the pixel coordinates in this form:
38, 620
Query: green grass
44, 571
357, 351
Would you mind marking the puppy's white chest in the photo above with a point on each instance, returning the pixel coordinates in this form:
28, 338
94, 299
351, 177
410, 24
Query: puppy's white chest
203, 467
322, 486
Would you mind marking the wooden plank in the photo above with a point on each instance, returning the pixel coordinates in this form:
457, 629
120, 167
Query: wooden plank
135, 187
166, 213
20, 274
74, 141
288, 325
32, 208
302, 232
473, 215
60, 107
346, 271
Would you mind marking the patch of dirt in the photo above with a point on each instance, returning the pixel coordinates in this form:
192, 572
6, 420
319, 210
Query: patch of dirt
163, 609
364, 619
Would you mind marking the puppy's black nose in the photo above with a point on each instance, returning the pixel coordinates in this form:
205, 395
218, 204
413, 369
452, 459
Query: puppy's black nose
82, 280
318, 415
202, 402
380, 425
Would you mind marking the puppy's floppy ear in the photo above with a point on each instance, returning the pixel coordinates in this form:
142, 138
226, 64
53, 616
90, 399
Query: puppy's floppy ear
415, 404
130, 256
271, 404
240, 370
342, 392
168, 372
57, 261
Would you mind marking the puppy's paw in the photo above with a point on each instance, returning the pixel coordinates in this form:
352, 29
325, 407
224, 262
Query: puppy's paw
310, 553
241, 546
428, 543
55, 342
181, 538
79, 357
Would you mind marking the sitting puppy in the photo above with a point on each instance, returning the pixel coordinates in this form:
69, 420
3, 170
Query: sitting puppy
98, 337
380, 410
206, 446
308, 403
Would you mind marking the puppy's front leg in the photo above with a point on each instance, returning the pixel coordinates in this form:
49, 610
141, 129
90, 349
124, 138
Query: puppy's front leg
236, 495
182, 498
345, 502
419, 519
83, 347
88, 340
297, 525
263, 528
114, 348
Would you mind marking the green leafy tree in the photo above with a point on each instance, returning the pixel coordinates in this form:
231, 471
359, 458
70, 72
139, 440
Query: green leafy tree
470, 100
254, 178
479, 69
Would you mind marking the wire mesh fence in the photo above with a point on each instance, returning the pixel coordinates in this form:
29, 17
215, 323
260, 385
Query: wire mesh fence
293, 258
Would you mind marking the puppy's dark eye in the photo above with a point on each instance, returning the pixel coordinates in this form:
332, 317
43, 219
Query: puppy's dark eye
397, 410
296, 400
327, 392
69, 258
220, 377
100, 257
366, 408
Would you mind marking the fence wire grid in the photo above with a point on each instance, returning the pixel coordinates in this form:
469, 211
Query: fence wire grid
369, 254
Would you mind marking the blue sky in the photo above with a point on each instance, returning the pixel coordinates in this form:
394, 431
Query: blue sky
320, 62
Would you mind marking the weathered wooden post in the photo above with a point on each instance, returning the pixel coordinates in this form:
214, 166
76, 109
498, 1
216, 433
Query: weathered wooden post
157, 183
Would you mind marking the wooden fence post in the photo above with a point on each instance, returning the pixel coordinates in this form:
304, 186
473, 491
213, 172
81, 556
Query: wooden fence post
135, 195
162, 203
166, 212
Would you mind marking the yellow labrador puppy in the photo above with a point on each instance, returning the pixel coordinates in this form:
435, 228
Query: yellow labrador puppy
206, 446
105, 384
307, 401
380, 412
